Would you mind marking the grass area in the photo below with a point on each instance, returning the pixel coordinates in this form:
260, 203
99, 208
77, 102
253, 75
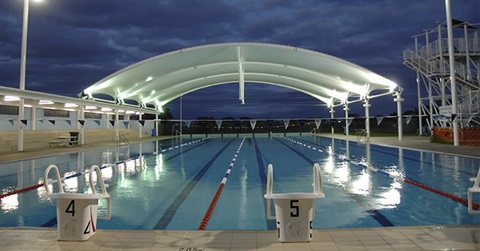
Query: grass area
383, 134
386, 134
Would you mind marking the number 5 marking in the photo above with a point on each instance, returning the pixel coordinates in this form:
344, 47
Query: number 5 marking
295, 208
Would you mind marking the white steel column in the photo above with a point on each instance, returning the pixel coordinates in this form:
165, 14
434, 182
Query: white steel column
156, 125
456, 140
107, 117
399, 101
34, 118
23, 64
419, 94
345, 108
332, 111
241, 77
117, 136
367, 117
181, 115
467, 53
81, 116
430, 103
140, 126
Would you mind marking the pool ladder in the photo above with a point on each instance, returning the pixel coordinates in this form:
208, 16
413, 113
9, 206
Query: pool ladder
474, 189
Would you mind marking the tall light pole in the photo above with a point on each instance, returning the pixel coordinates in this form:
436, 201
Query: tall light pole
451, 62
23, 64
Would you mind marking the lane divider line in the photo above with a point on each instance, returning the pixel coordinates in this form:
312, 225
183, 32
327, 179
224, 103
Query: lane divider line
32, 187
181, 145
405, 179
271, 224
213, 203
168, 215
375, 214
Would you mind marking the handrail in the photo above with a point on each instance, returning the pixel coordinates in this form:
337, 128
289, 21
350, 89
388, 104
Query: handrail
317, 179
96, 169
269, 195
474, 189
93, 195
269, 191
361, 133
122, 140
59, 179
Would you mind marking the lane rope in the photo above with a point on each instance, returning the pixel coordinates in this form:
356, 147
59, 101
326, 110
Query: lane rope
38, 185
371, 167
181, 145
213, 203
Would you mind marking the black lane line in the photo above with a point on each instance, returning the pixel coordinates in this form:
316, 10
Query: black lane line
52, 222
379, 217
172, 209
271, 224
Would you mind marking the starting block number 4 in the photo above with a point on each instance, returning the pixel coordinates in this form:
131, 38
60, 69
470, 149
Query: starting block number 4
77, 218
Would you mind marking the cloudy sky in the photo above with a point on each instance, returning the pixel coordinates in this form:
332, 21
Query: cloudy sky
74, 43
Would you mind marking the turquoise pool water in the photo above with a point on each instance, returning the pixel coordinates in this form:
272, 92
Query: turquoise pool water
365, 185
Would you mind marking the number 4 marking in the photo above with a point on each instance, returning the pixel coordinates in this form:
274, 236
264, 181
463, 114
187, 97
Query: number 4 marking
87, 229
71, 208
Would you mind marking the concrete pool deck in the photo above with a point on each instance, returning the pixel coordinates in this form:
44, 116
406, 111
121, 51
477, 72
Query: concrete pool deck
385, 238
457, 237
414, 142
408, 142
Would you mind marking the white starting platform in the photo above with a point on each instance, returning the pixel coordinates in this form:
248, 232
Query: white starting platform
474, 189
294, 212
77, 212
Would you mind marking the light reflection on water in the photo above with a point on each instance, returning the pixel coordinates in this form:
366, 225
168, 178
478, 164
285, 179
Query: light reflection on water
343, 171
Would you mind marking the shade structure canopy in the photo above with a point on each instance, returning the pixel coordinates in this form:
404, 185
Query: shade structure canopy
163, 78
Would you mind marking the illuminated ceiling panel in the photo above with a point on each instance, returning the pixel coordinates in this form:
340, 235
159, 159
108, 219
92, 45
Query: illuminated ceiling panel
161, 79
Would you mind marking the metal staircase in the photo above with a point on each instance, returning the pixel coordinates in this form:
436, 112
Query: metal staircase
431, 63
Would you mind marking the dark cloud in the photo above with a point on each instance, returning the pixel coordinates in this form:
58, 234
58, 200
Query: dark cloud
74, 43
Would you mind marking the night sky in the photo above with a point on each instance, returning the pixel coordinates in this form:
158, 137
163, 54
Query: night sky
74, 43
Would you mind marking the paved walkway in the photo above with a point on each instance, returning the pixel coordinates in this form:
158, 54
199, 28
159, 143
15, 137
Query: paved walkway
415, 142
50, 151
408, 142
385, 238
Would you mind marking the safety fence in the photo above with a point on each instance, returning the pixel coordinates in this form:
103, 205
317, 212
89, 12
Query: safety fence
467, 136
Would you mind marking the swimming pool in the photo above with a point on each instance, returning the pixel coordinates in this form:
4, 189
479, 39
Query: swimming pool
365, 185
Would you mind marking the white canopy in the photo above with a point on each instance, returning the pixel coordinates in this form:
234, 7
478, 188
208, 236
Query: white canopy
161, 79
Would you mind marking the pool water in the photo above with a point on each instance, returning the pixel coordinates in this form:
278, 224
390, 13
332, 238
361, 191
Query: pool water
364, 184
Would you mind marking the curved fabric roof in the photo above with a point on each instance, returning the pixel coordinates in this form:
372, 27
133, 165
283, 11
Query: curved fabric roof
161, 79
